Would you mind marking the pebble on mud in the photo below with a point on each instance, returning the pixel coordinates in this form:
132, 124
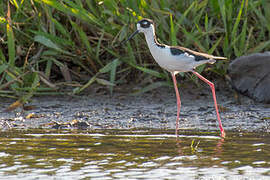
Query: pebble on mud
250, 76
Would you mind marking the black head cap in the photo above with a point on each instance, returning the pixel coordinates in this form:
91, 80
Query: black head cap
145, 23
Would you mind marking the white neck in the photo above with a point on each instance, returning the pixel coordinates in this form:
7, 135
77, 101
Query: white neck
150, 37
158, 51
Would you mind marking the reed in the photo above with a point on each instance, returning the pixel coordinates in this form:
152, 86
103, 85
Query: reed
48, 44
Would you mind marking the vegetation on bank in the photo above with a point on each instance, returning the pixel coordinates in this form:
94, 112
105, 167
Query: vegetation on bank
64, 46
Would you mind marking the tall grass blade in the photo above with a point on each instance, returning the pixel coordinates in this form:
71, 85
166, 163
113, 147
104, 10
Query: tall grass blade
72, 9
48, 43
2, 57
3, 67
108, 67
104, 82
91, 81
146, 70
223, 13
11, 39
173, 34
214, 47
235, 27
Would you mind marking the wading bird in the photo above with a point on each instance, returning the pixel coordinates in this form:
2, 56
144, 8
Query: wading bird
176, 59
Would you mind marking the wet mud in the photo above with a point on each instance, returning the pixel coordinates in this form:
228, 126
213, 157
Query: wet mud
153, 110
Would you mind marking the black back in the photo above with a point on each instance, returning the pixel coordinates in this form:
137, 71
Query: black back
176, 51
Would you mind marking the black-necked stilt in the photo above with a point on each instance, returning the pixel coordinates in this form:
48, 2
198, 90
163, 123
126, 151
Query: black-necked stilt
176, 59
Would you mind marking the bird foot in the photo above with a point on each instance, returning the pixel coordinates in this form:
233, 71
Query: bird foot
223, 134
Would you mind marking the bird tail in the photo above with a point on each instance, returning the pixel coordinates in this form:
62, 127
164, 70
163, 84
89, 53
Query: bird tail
211, 61
214, 58
219, 58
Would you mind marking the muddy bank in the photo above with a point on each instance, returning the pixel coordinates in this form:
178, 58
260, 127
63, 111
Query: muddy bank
155, 110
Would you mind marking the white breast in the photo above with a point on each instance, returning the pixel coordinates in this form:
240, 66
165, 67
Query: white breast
180, 63
163, 56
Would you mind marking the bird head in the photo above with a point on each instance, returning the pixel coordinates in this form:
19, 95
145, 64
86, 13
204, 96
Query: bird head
143, 26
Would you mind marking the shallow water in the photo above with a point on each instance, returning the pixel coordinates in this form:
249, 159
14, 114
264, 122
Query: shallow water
140, 154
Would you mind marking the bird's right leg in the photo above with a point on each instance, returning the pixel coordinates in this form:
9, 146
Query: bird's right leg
178, 102
215, 100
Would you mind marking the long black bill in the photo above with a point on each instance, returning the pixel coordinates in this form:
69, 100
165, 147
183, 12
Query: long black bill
131, 36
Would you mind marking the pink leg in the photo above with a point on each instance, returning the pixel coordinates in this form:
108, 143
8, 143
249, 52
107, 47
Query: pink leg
178, 102
215, 100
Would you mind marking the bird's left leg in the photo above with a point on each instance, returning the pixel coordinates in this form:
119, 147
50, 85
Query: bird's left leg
215, 100
178, 102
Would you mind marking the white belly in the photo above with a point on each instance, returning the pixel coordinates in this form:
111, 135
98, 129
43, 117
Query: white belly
172, 63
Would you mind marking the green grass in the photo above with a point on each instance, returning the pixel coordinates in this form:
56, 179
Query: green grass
48, 44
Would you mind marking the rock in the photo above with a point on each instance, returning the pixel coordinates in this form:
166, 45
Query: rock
250, 75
